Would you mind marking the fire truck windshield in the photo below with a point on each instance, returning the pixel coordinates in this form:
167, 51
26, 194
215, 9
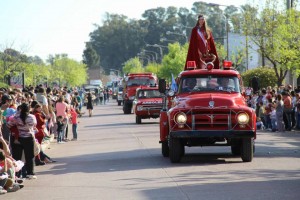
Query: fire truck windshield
209, 83
140, 81
142, 94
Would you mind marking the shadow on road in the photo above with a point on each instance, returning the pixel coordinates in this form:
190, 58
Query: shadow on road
151, 159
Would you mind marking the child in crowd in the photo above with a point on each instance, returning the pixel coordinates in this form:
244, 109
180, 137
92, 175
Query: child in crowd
261, 112
60, 123
10, 114
74, 120
273, 118
259, 124
267, 113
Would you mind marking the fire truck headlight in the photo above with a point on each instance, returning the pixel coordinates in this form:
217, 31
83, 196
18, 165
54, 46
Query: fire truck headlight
171, 93
243, 118
181, 118
139, 108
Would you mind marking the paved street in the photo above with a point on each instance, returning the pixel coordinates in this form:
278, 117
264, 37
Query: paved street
114, 158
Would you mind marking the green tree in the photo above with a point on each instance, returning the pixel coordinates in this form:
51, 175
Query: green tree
222, 54
174, 61
153, 67
68, 71
90, 57
266, 76
35, 74
10, 61
286, 42
35, 59
133, 65
276, 33
118, 40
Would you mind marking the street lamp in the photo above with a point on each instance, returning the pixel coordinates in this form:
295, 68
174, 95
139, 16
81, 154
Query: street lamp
144, 53
151, 52
226, 29
166, 40
144, 57
160, 49
173, 33
152, 58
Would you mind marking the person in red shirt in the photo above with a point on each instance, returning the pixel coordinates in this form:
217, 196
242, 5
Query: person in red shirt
74, 120
202, 47
41, 129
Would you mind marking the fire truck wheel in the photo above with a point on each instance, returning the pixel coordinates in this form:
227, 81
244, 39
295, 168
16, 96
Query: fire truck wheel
236, 149
138, 119
176, 150
247, 149
165, 149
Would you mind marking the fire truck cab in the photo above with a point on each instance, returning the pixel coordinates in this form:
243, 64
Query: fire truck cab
208, 109
133, 81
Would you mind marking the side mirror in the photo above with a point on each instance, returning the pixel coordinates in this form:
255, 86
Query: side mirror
162, 85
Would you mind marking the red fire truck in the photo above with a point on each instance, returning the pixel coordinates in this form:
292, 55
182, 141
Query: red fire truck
147, 103
131, 82
208, 109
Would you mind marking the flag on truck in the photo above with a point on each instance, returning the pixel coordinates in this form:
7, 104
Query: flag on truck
173, 84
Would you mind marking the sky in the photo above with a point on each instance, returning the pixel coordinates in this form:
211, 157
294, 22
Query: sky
44, 27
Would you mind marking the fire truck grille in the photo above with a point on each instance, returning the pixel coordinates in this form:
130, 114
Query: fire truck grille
152, 107
211, 121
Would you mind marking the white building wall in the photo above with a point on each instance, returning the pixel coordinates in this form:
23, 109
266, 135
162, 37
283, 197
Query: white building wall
238, 42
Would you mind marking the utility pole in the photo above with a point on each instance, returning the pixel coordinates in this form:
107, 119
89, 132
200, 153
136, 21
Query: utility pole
289, 4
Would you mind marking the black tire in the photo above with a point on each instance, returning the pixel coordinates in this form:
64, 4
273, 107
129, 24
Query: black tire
119, 103
176, 150
138, 119
126, 108
183, 151
165, 149
236, 149
247, 149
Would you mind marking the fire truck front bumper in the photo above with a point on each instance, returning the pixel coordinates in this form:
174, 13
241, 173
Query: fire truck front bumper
214, 133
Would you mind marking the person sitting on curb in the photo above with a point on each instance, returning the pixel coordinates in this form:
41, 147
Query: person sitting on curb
6, 181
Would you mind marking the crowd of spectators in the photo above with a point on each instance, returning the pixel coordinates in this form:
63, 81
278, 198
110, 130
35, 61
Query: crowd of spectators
277, 109
29, 117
